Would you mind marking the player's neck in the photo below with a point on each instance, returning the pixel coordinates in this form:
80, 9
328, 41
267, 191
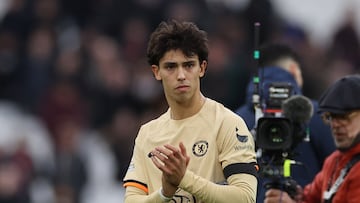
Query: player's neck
180, 111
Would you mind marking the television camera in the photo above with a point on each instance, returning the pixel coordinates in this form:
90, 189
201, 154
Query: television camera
281, 126
281, 123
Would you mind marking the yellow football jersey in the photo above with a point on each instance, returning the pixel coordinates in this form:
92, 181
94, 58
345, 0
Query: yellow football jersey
216, 139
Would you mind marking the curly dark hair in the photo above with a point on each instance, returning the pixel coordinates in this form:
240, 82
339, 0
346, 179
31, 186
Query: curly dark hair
172, 35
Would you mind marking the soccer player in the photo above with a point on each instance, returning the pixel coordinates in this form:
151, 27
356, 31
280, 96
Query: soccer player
198, 150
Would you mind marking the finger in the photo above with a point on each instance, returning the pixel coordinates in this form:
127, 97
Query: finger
168, 162
169, 151
172, 150
160, 165
182, 149
157, 163
159, 155
164, 151
160, 160
183, 152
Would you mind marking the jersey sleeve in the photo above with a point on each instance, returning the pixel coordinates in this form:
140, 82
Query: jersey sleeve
135, 175
241, 188
238, 159
134, 194
236, 148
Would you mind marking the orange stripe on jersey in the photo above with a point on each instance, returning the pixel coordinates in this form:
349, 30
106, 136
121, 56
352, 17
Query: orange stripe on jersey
137, 185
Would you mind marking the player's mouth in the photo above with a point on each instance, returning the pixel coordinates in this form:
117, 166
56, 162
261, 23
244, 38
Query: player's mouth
182, 88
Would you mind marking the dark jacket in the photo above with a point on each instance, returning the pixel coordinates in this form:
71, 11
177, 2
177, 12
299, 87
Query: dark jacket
312, 154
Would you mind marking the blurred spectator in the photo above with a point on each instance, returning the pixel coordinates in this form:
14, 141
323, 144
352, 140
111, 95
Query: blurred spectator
68, 66
62, 102
109, 79
10, 72
38, 66
26, 157
15, 176
82, 11
18, 19
70, 172
184, 10
65, 113
121, 132
47, 13
346, 44
107, 151
229, 70
133, 37
101, 165
343, 54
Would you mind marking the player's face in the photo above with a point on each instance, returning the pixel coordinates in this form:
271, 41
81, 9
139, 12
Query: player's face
180, 75
345, 128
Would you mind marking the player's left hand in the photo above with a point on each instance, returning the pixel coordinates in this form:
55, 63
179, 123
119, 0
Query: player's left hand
172, 161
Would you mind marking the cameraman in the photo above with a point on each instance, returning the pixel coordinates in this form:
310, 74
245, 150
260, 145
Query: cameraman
340, 107
279, 63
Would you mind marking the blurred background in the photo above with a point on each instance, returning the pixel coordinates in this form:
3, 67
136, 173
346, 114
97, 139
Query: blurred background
75, 85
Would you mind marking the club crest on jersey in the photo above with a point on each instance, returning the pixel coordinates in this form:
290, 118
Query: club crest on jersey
241, 138
200, 148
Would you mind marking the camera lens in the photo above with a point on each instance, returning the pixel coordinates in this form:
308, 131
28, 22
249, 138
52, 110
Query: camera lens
274, 133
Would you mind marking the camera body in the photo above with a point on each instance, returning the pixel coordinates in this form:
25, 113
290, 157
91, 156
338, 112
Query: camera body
274, 131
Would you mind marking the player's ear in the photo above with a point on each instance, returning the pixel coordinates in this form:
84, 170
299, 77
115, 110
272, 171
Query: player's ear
203, 67
155, 69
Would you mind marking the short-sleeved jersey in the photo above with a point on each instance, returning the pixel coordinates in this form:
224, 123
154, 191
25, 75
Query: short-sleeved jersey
216, 139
